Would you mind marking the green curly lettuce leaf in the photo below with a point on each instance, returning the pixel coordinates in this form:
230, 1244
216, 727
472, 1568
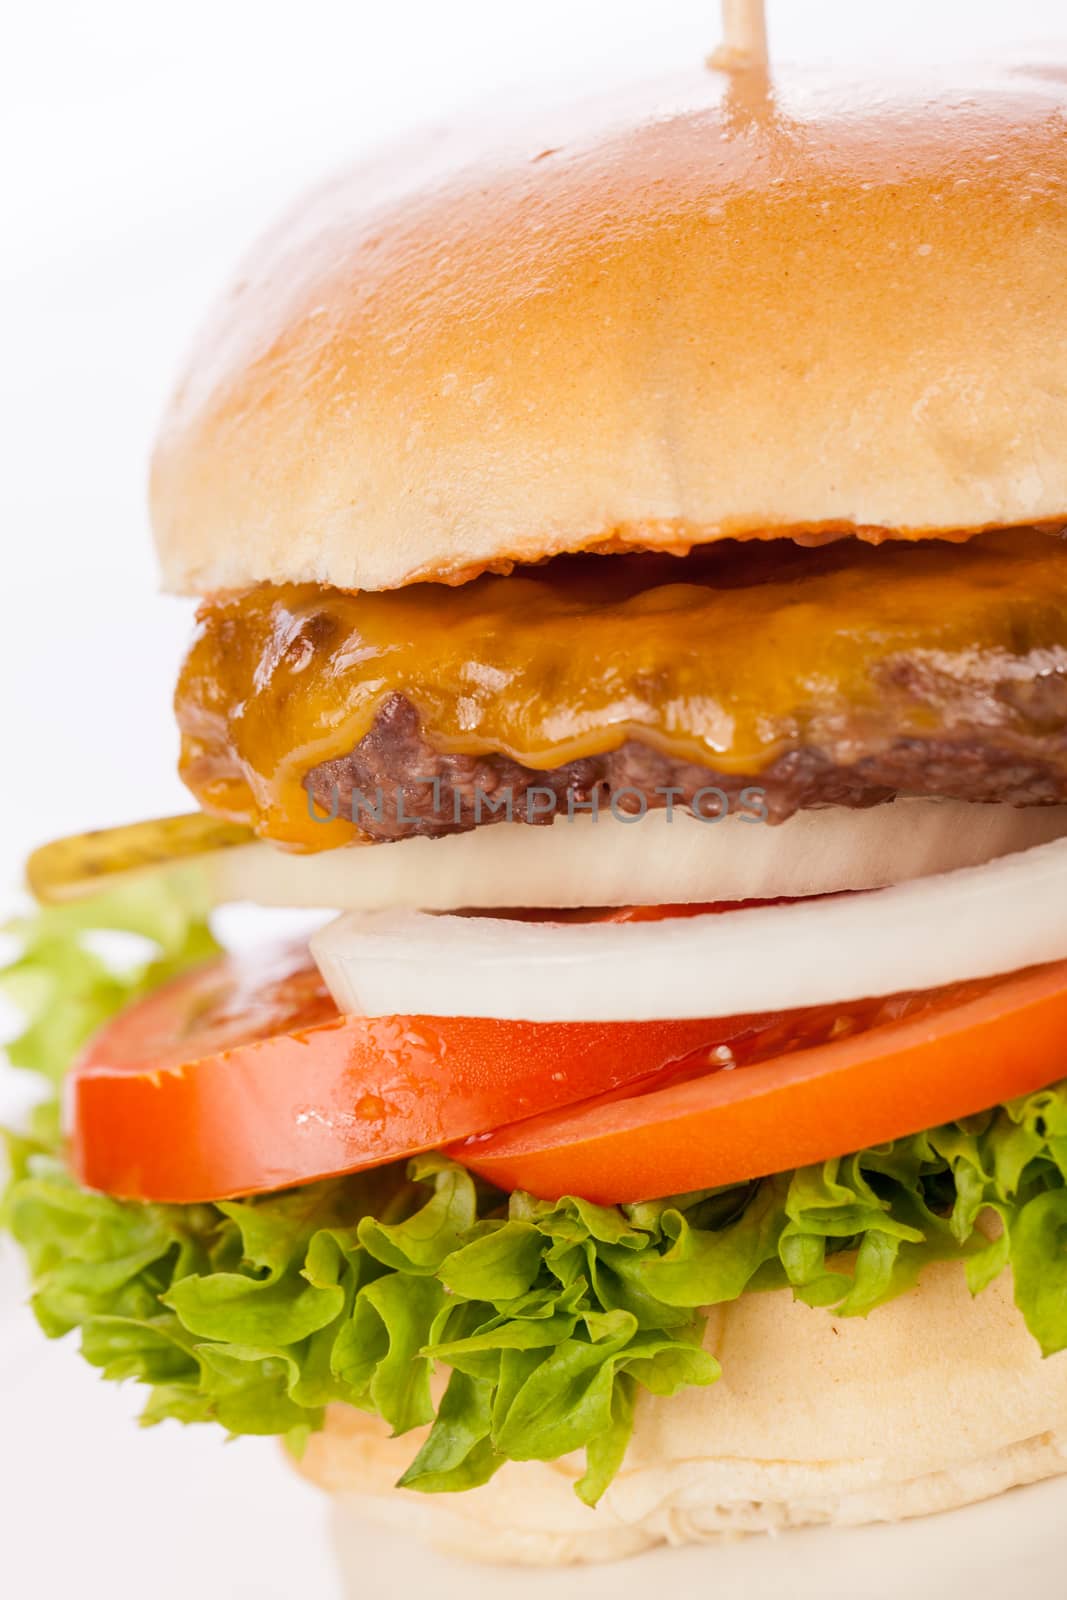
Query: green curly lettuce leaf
66, 989
548, 1319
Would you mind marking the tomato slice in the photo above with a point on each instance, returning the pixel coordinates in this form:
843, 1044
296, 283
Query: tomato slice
920, 1061
243, 1077
668, 913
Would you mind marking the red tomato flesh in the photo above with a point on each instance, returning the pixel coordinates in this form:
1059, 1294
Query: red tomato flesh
812, 1086
242, 1077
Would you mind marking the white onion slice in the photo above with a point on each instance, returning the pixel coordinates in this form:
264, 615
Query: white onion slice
651, 861
976, 922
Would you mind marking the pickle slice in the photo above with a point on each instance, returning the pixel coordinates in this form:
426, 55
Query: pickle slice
81, 864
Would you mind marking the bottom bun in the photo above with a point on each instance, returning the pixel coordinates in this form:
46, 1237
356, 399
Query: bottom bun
933, 1402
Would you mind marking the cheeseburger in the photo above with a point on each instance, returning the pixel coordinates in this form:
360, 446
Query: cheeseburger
634, 611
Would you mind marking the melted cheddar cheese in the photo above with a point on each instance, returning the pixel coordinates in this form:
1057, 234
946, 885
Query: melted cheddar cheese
728, 658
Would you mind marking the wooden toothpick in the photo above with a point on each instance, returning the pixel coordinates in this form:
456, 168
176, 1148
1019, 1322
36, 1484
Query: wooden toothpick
744, 37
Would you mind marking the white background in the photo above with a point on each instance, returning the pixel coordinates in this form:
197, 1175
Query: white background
143, 146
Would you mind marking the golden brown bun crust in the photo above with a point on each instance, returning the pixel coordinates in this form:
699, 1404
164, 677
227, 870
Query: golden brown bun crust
933, 1402
686, 312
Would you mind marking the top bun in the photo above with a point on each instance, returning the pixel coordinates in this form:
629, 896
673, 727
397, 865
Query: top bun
695, 310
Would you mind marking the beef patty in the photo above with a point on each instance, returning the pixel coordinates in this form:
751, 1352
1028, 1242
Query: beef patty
395, 784
765, 680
